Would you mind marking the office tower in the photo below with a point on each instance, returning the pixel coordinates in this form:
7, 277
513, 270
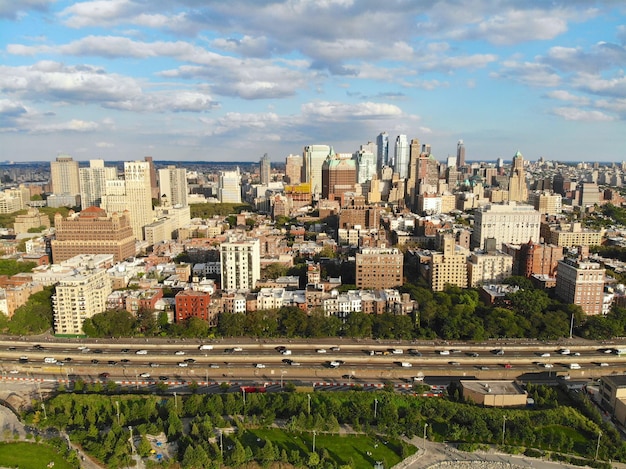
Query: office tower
92, 231
313, 158
293, 169
241, 264
93, 183
427, 173
401, 157
366, 162
460, 154
154, 188
138, 195
173, 185
581, 282
379, 268
518, 190
512, 223
229, 188
64, 176
79, 297
589, 194
265, 169
382, 155
412, 181
338, 177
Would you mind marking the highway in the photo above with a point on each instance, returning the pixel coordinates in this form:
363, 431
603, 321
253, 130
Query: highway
320, 361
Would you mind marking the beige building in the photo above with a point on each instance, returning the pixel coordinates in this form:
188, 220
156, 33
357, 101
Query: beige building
379, 268
32, 219
509, 223
241, 264
572, 234
546, 203
11, 200
79, 297
93, 182
64, 176
488, 267
449, 266
581, 282
497, 393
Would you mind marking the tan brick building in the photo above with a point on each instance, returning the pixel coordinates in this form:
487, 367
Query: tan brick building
379, 268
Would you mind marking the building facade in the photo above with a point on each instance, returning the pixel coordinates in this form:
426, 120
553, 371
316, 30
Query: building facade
581, 282
379, 268
510, 223
241, 264
64, 175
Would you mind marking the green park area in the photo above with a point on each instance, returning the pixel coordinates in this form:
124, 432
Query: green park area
32, 456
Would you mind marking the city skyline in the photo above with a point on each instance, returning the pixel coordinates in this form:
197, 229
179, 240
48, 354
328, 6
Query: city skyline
123, 79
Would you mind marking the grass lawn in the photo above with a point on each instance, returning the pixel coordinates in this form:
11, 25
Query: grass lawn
579, 440
30, 456
340, 448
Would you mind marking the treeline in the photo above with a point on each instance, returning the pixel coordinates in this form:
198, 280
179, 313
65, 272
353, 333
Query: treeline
209, 210
100, 423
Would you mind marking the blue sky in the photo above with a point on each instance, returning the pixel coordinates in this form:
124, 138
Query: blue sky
232, 80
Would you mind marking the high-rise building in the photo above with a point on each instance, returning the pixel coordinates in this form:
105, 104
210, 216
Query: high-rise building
229, 189
382, 146
546, 202
79, 297
138, 195
313, 158
488, 267
448, 267
338, 177
92, 231
509, 223
581, 282
93, 183
293, 169
379, 268
173, 185
460, 154
265, 169
412, 182
241, 264
64, 176
589, 194
518, 189
366, 162
154, 188
401, 156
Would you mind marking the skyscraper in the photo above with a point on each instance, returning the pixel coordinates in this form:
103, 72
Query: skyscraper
401, 156
412, 179
382, 144
138, 195
64, 176
93, 182
293, 169
173, 185
366, 162
154, 188
229, 189
266, 169
460, 154
313, 158
518, 190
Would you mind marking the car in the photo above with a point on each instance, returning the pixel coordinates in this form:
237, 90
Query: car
455, 351
97, 351
508, 366
603, 364
406, 365
144, 375
474, 354
499, 352
214, 365
259, 365
183, 364
163, 378
12, 348
444, 352
321, 350
95, 361
286, 352
280, 348
564, 351
576, 354
67, 359
81, 347
334, 364
548, 365
484, 368
237, 349
190, 360
125, 360
396, 351
49, 360
104, 375
141, 352
154, 365
415, 352
287, 361
179, 352
454, 363
112, 362
228, 350
125, 350
23, 359
545, 354
14, 372
37, 347
294, 363
85, 350
335, 349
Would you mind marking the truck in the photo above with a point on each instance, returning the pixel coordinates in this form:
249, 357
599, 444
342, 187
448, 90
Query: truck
205, 347
406, 365
620, 351
574, 366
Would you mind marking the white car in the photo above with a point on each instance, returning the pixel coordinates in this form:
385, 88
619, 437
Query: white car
81, 347
545, 354
334, 364
179, 352
286, 352
13, 372
183, 364
141, 352
237, 349
144, 375
397, 351
444, 352
548, 365
321, 350
259, 365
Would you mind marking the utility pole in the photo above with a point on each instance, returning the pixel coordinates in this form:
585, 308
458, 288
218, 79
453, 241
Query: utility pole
314, 433
598, 445
503, 428
117, 403
425, 425
175, 402
571, 326
309, 396
375, 408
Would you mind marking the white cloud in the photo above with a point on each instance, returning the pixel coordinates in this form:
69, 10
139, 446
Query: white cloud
575, 114
74, 125
595, 84
336, 111
105, 144
528, 73
563, 95
14, 9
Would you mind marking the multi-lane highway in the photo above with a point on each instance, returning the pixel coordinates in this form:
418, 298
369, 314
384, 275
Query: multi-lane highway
301, 360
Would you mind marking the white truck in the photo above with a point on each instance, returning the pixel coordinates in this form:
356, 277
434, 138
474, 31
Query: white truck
205, 347
406, 365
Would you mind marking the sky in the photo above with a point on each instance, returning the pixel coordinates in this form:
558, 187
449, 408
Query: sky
217, 80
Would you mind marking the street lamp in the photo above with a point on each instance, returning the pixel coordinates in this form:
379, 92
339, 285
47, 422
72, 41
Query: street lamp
425, 425
314, 433
282, 372
117, 404
598, 445
375, 408
175, 402
503, 428
309, 396
45, 417
243, 391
